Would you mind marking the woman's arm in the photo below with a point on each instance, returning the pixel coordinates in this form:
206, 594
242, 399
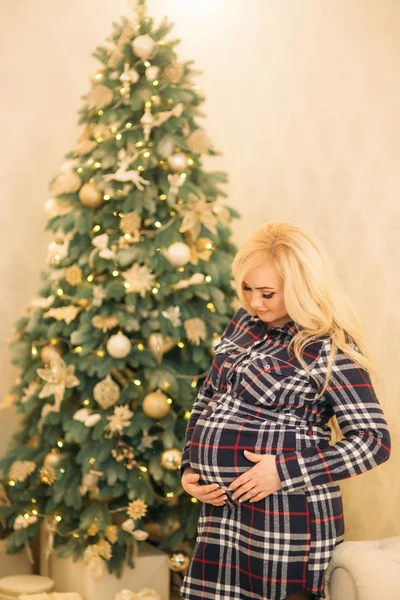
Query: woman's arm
366, 442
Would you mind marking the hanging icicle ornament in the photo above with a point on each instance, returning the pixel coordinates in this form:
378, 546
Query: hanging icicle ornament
126, 80
160, 345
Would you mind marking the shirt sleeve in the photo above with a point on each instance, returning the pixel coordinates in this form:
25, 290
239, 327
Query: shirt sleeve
366, 442
206, 393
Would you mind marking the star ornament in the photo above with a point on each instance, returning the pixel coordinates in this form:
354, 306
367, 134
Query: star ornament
58, 378
138, 279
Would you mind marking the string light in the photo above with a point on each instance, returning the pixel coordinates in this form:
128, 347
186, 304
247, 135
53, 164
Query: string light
34, 351
26, 516
163, 197
60, 292
127, 285
170, 494
118, 136
127, 236
62, 471
92, 460
80, 170
146, 154
147, 64
208, 278
140, 347
90, 278
155, 291
181, 269
100, 113
11, 483
143, 469
34, 511
137, 382
194, 500
106, 197
187, 414
156, 82
115, 273
90, 161
128, 125
157, 224
194, 383
78, 349
211, 307
58, 518
169, 400
139, 144
60, 443
97, 165
86, 402
148, 104
114, 129
166, 385
190, 161
180, 344
100, 353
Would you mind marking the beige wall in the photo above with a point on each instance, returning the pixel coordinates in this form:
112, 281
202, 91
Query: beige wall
303, 99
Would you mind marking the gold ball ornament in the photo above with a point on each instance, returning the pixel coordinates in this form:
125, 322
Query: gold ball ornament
178, 254
156, 405
143, 46
52, 459
171, 459
49, 352
106, 393
118, 346
155, 532
90, 196
97, 76
178, 162
179, 562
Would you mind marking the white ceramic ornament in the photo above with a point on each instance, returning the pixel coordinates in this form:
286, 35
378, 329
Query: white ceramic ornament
118, 346
152, 73
178, 254
178, 162
143, 46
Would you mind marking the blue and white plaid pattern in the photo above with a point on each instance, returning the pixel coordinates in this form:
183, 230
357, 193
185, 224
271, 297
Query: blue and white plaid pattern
258, 397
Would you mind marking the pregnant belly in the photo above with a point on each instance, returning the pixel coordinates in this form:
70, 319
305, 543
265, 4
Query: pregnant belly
221, 435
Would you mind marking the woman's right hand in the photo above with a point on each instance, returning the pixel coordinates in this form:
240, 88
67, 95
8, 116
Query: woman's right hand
209, 494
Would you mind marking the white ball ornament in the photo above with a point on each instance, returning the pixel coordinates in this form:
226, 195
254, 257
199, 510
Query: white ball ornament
143, 46
52, 459
118, 346
178, 162
152, 73
178, 254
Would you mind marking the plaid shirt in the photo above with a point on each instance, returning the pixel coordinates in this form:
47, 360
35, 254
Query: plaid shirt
257, 396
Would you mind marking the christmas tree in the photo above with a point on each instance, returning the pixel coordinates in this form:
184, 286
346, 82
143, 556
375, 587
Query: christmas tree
115, 346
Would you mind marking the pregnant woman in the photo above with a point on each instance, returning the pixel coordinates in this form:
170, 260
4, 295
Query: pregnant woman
291, 365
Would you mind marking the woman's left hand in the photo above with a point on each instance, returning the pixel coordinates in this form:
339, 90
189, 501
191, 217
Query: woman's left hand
259, 481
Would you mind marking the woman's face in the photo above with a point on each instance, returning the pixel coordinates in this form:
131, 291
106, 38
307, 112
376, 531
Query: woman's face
263, 292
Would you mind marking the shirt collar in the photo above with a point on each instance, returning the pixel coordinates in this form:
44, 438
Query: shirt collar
289, 328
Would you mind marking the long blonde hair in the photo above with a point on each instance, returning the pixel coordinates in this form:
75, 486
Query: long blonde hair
313, 295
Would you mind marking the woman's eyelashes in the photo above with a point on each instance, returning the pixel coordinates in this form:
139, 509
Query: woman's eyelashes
267, 296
